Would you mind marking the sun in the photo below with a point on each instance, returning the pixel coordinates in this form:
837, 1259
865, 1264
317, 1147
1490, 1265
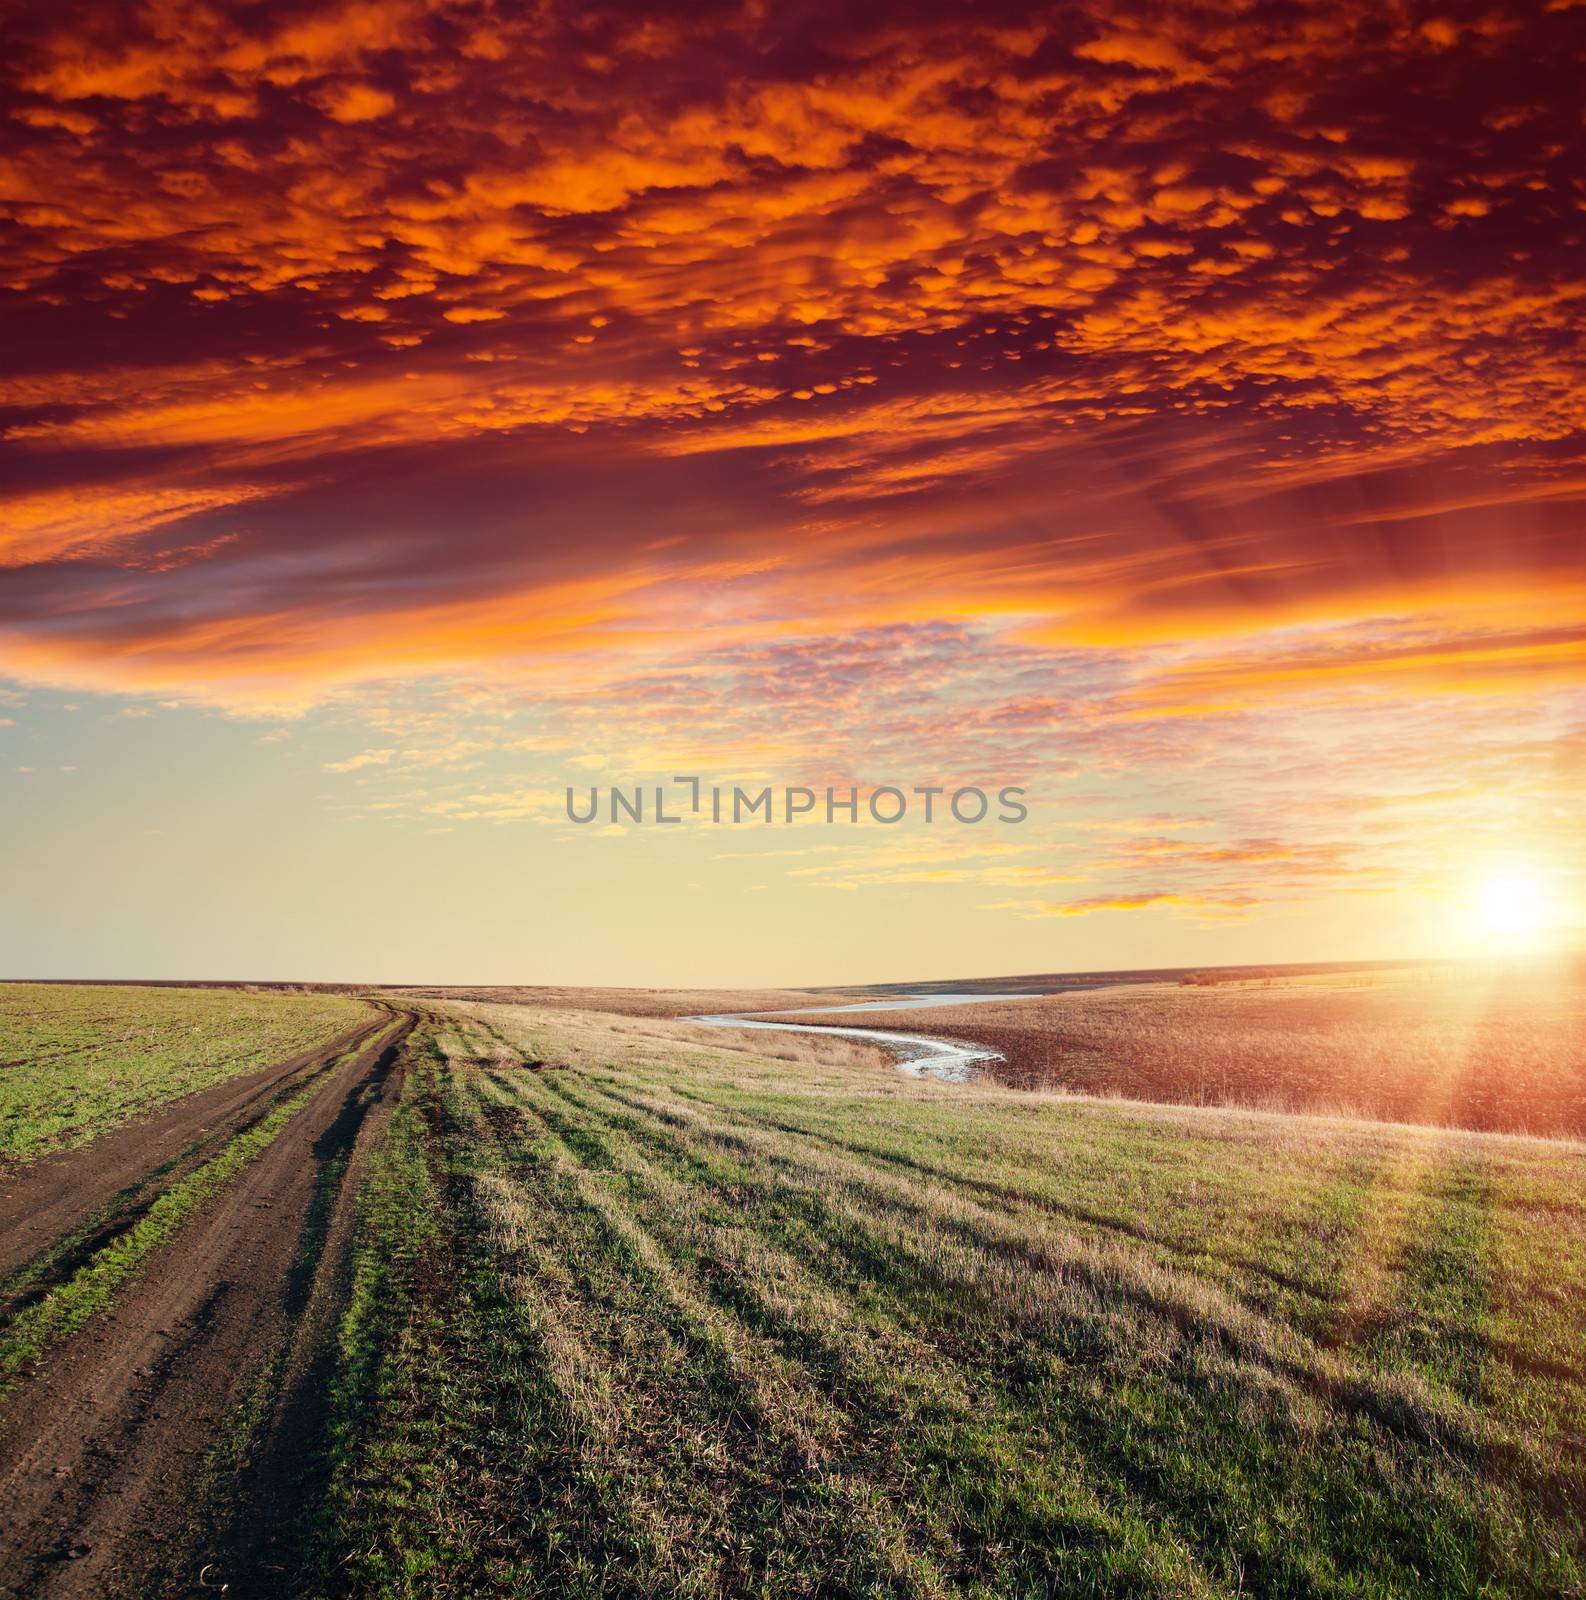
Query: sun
1513, 906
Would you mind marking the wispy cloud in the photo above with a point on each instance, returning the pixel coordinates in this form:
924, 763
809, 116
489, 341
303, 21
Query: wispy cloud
365, 758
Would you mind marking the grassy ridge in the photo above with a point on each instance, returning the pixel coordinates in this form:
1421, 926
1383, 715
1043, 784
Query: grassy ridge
78, 1059
675, 1320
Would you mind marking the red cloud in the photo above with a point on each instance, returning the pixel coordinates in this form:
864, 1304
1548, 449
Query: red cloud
452, 340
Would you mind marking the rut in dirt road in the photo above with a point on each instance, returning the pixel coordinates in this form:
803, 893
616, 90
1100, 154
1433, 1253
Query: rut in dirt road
50, 1197
100, 1449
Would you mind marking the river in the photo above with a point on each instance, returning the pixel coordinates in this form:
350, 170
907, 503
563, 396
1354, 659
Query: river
917, 1054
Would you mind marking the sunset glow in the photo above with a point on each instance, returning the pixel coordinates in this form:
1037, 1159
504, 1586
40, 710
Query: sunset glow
411, 407
1514, 908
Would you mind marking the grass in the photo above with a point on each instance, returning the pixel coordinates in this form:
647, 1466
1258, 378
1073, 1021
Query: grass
78, 1059
807, 1049
670, 1318
657, 1003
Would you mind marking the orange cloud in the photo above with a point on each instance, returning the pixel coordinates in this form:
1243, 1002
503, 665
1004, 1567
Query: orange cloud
1127, 902
375, 337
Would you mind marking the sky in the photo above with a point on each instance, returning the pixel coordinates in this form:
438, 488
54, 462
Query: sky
411, 410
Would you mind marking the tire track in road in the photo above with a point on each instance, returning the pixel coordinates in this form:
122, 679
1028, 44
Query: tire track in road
47, 1199
99, 1451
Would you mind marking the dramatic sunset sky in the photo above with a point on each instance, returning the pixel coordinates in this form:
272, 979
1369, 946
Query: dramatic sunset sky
410, 408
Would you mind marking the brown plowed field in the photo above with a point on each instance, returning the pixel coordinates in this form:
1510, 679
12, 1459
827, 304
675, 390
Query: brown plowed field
101, 1447
1499, 1050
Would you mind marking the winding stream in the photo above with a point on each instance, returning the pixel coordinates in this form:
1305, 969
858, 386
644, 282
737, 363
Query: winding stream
916, 1054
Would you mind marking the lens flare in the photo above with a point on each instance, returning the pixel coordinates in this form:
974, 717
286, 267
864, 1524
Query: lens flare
1513, 906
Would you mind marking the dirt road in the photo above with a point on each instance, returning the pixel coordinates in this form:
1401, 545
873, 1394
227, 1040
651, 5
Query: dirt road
50, 1197
100, 1449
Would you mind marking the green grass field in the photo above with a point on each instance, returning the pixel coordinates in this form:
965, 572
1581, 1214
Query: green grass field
76, 1059
657, 1318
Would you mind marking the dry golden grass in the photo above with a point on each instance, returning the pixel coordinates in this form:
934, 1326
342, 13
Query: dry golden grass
613, 1029
1495, 1048
636, 1002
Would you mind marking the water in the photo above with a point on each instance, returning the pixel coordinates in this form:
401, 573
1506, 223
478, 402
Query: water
953, 1060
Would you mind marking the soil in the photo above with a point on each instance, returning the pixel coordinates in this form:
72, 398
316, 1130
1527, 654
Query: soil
102, 1449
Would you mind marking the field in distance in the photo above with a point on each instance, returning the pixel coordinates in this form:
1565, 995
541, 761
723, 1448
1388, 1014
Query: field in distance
77, 1059
637, 1002
1497, 1047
